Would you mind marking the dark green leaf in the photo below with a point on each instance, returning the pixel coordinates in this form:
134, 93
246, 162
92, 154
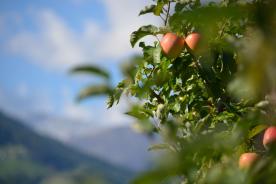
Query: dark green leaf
110, 101
142, 32
94, 91
148, 9
90, 69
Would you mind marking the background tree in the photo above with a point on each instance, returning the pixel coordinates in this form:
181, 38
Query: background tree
212, 100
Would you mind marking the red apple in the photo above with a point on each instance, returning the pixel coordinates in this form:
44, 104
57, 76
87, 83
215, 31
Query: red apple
269, 136
172, 45
247, 160
192, 40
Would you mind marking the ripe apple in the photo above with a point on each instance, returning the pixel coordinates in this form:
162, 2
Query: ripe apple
269, 136
192, 40
172, 45
247, 160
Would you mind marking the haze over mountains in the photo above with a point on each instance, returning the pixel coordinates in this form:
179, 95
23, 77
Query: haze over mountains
121, 146
26, 157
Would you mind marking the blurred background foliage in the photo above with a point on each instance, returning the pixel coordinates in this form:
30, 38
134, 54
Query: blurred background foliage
209, 105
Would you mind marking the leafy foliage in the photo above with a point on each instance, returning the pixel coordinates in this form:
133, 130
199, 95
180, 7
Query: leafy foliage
212, 104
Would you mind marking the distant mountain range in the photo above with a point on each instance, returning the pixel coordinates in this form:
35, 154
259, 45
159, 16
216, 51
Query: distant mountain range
27, 157
121, 146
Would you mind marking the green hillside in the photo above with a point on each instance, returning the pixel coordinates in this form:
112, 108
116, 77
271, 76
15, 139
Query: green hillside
26, 157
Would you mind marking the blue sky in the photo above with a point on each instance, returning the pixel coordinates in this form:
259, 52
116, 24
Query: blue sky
40, 41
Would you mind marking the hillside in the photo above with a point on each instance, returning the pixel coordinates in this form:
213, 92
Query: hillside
31, 158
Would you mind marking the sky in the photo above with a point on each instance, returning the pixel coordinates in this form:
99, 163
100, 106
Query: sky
40, 41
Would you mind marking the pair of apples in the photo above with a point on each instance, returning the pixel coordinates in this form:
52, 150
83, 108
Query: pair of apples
173, 44
248, 159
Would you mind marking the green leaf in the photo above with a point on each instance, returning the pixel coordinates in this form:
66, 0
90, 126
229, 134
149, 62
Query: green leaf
139, 112
158, 8
176, 107
148, 9
160, 147
155, 9
255, 131
90, 69
94, 90
157, 54
262, 104
142, 32
110, 101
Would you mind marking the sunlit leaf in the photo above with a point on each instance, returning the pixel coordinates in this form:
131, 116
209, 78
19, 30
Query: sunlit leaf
256, 130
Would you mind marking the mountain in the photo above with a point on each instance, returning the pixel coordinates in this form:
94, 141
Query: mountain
120, 146
27, 157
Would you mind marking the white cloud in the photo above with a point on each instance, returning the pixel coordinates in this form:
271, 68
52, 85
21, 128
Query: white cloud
72, 110
22, 90
123, 19
39, 110
77, 120
26, 103
56, 45
75, 125
96, 112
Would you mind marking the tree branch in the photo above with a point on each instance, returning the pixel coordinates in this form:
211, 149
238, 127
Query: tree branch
168, 13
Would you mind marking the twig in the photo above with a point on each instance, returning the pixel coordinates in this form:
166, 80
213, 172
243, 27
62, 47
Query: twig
157, 38
160, 100
162, 18
164, 10
168, 13
222, 30
151, 72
